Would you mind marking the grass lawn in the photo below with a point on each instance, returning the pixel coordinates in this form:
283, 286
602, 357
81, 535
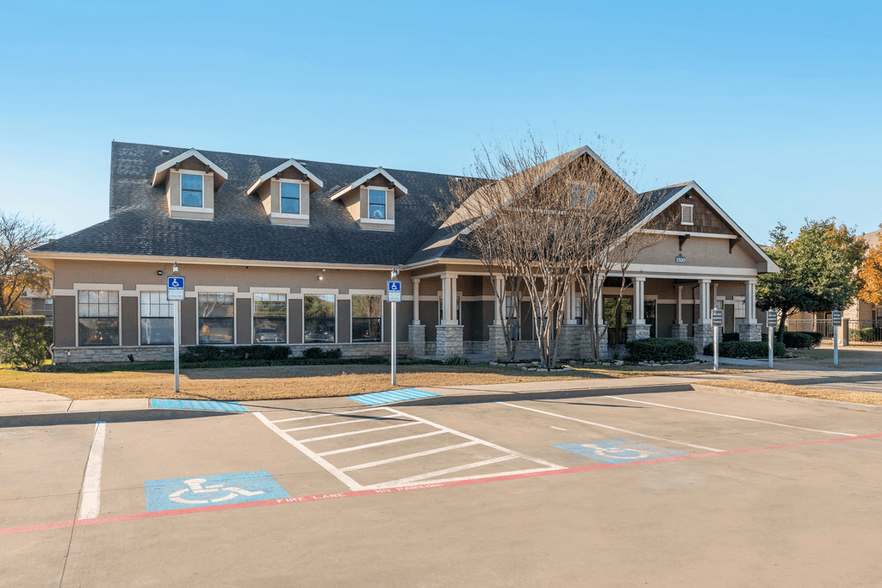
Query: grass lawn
280, 382
801, 391
849, 358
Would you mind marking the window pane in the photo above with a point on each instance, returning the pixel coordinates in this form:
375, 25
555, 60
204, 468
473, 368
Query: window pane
157, 331
155, 304
189, 198
365, 329
98, 331
290, 198
366, 306
319, 306
377, 211
191, 182
377, 197
268, 330
215, 318
319, 322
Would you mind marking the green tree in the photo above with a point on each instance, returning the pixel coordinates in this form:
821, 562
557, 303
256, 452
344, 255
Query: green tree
19, 235
817, 270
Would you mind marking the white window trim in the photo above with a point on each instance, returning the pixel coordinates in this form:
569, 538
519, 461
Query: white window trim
385, 219
281, 292
149, 288
113, 287
382, 295
691, 209
298, 215
197, 290
180, 179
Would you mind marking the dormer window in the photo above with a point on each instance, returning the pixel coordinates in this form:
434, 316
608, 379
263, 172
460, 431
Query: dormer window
284, 192
191, 190
376, 203
371, 198
191, 181
290, 193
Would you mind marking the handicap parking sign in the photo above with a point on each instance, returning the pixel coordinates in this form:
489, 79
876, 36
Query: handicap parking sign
175, 288
200, 491
394, 291
618, 450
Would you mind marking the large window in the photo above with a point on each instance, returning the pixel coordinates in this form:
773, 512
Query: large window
290, 198
319, 323
269, 318
215, 318
98, 312
366, 314
377, 203
157, 319
191, 190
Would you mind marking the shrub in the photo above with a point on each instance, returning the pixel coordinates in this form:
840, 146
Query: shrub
457, 360
23, 346
795, 340
861, 334
730, 337
816, 337
660, 350
203, 353
319, 353
746, 349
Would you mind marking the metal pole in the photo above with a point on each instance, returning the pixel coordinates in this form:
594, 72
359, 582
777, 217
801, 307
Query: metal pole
716, 350
835, 345
177, 345
394, 350
771, 346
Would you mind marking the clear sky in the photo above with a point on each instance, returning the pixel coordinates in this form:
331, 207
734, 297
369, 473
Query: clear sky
774, 108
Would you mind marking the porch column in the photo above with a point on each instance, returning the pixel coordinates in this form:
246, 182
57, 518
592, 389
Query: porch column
416, 333
703, 329
679, 305
750, 330
499, 307
496, 345
678, 329
416, 301
449, 333
570, 306
638, 329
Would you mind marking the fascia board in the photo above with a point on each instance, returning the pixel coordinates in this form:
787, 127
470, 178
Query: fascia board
159, 172
290, 163
366, 177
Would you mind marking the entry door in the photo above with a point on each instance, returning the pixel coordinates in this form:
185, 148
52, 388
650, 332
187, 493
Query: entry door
617, 318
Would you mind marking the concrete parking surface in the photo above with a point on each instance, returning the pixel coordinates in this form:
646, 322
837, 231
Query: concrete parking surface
611, 483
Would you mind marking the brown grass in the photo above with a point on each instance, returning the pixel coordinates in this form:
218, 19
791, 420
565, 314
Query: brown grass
849, 358
265, 383
802, 391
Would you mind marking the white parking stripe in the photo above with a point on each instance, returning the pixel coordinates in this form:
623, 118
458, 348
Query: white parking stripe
730, 416
361, 420
409, 456
352, 484
378, 443
560, 416
358, 432
330, 414
405, 481
91, 501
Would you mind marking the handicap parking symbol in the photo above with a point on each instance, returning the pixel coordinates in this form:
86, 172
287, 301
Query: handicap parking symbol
211, 490
618, 450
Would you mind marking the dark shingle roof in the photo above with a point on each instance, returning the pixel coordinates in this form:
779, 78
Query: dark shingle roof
139, 223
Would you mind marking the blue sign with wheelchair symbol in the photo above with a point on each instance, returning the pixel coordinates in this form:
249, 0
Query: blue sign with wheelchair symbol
618, 450
175, 288
201, 491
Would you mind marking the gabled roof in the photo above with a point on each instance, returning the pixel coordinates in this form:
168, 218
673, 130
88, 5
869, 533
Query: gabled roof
161, 172
316, 183
400, 190
659, 200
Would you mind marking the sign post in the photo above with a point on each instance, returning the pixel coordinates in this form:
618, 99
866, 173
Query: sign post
837, 322
393, 293
175, 293
717, 320
771, 322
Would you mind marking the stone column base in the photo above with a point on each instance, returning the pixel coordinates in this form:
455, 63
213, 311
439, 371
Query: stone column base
569, 342
416, 339
638, 331
750, 332
586, 347
449, 341
496, 345
703, 334
679, 331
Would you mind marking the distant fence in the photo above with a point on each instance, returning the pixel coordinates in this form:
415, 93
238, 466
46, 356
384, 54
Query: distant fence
866, 332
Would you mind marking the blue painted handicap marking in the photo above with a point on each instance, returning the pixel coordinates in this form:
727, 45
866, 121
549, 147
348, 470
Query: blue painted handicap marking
197, 405
391, 396
195, 492
618, 450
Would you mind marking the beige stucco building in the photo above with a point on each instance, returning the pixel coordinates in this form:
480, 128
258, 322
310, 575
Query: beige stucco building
293, 252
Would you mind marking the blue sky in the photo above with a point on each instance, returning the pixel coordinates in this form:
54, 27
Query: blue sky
774, 108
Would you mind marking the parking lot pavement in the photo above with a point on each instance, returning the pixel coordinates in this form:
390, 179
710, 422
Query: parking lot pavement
632, 485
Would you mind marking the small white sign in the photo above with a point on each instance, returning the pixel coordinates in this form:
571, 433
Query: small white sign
717, 317
679, 259
393, 291
837, 318
175, 291
772, 319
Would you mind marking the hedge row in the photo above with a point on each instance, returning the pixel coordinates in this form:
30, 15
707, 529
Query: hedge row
746, 349
660, 350
24, 340
797, 340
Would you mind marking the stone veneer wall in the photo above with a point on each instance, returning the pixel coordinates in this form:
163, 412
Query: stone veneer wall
750, 332
448, 341
416, 340
703, 334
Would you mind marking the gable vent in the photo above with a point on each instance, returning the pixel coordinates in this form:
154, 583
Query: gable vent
686, 214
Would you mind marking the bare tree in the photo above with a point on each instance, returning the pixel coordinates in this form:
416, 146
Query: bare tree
549, 224
18, 274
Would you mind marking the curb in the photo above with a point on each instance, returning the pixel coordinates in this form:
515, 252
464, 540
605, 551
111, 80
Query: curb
109, 416
793, 399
